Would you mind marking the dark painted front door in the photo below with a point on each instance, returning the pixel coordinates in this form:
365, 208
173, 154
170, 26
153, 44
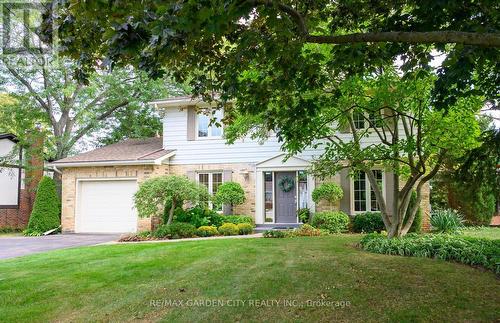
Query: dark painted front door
286, 203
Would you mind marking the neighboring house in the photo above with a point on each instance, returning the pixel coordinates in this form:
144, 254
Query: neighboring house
98, 186
14, 202
17, 183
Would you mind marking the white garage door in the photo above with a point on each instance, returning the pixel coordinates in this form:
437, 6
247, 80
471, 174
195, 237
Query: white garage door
106, 206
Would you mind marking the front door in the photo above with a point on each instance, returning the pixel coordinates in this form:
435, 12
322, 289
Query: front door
286, 195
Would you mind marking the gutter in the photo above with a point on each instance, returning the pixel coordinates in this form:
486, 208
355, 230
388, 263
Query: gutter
103, 163
136, 162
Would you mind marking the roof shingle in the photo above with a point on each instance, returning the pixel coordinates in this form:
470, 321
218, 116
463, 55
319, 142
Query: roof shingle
148, 149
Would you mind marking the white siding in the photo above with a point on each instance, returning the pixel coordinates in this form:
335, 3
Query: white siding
6, 147
209, 151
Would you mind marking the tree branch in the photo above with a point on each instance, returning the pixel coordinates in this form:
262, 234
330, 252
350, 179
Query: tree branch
429, 37
297, 18
32, 91
81, 132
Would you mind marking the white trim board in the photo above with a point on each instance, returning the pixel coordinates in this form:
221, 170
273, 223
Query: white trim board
158, 161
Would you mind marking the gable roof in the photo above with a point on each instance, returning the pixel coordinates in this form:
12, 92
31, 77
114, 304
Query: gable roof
279, 162
130, 151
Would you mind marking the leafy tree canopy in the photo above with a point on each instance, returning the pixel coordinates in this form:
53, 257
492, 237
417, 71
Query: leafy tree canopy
373, 121
255, 50
49, 94
230, 193
155, 193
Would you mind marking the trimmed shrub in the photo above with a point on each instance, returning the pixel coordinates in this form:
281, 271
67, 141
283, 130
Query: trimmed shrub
170, 192
307, 230
333, 222
304, 215
207, 231
46, 210
230, 193
275, 234
368, 222
245, 228
216, 219
466, 250
446, 221
228, 229
198, 216
236, 219
175, 230
329, 192
178, 213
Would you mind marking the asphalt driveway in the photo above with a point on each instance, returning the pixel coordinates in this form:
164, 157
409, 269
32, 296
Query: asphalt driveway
11, 247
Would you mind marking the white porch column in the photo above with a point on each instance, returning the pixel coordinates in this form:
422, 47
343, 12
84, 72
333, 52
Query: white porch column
259, 197
311, 184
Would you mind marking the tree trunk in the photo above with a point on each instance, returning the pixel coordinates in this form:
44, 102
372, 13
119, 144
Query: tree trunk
171, 212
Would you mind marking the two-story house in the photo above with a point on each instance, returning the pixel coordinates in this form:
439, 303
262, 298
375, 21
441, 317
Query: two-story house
98, 186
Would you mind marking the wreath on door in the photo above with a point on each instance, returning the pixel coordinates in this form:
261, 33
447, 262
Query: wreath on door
286, 184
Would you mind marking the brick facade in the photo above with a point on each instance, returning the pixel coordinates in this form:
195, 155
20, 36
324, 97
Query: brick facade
424, 203
240, 173
17, 218
69, 181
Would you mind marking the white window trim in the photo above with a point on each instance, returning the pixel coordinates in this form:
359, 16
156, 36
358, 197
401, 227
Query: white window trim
366, 122
209, 136
368, 193
273, 196
210, 182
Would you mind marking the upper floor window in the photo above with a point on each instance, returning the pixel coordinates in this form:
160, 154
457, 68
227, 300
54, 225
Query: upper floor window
207, 130
365, 120
363, 195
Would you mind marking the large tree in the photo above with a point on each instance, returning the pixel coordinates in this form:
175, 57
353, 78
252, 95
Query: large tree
378, 121
284, 61
69, 109
217, 40
471, 183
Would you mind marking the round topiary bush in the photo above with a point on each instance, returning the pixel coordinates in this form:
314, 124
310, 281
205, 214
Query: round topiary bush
207, 231
368, 222
230, 193
228, 229
332, 221
245, 228
46, 213
329, 192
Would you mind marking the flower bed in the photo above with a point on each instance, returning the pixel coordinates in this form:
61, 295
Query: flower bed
470, 251
181, 230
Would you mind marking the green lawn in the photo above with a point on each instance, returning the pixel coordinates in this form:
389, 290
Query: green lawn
119, 282
482, 232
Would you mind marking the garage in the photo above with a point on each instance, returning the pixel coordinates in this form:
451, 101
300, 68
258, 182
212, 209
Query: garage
106, 206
